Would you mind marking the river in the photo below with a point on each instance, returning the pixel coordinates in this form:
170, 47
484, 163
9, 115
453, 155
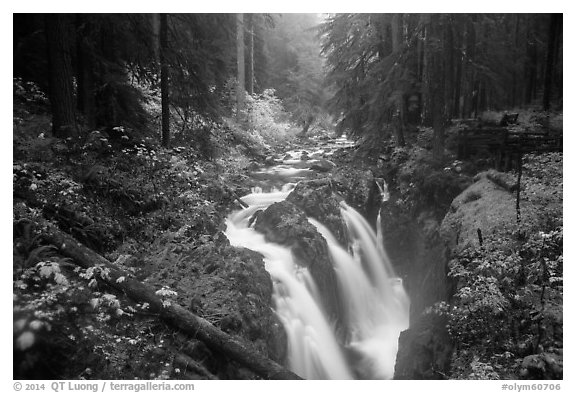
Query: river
376, 306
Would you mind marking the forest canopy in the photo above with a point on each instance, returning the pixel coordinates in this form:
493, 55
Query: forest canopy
429, 145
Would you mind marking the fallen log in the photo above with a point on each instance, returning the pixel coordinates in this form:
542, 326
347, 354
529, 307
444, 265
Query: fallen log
175, 314
189, 364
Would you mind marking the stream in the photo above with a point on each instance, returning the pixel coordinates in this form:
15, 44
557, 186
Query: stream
375, 305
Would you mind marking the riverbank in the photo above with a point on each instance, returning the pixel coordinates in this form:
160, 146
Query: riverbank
160, 213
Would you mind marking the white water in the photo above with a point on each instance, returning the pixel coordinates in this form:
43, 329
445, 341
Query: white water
375, 304
313, 350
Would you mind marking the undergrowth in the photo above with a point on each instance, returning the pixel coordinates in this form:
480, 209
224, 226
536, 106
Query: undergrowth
139, 205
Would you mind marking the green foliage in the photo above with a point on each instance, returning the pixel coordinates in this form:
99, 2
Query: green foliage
457, 65
267, 120
29, 92
427, 184
368, 75
507, 304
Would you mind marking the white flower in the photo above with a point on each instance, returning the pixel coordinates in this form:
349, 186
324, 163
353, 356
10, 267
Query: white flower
25, 341
36, 325
33, 186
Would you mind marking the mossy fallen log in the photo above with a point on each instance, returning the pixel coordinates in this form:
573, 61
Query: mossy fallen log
175, 314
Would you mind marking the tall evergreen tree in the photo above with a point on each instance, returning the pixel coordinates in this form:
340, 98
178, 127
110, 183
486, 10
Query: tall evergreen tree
250, 46
165, 80
240, 89
60, 75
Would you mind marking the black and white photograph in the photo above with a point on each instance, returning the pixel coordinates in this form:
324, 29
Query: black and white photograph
286, 196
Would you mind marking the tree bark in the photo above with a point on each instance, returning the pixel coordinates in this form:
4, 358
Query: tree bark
458, 70
85, 72
399, 116
183, 319
436, 76
240, 64
164, 80
398, 123
470, 74
531, 64
250, 76
395, 26
426, 89
448, 66
60, 79
552, 38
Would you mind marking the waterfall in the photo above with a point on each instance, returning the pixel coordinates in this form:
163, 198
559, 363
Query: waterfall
375, 308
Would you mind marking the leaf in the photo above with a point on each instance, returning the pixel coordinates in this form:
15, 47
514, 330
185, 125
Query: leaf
60, 279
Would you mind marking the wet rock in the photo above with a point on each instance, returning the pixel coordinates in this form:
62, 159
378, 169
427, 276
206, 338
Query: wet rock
354, 185
284, 223
417, 253
270, 160
319, 201
424, 350
230, 288
542, 366
231, 323
253, 166
323, 165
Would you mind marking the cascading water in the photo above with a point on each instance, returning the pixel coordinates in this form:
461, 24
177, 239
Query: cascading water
375, 304
314, 352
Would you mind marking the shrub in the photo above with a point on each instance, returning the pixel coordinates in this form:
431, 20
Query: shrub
508, 300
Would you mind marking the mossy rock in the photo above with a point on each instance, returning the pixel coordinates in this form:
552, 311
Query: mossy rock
286, 224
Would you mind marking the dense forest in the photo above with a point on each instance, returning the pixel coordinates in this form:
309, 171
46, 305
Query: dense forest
151, 150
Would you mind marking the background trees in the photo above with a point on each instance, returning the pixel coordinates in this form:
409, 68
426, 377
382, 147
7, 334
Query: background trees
429, 68
384, 71
106, 68
296, 69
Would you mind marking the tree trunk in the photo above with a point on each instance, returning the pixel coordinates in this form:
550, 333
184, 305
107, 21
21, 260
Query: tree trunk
85, 72
60, 71
399, 116
458, 76
398, 124
250, 76
183, 319
436, 76
426, 89
240, 64
531, 64
448, 66
557, 70
515, 68
164, 80
552, 38
471, 96
395, 26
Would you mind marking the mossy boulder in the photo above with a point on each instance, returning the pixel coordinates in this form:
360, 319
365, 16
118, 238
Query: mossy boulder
319, 201
425, 350
487, 206
286, 224
229, 287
